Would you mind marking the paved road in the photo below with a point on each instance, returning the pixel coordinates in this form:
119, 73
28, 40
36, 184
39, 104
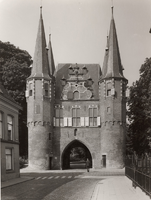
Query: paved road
54, 186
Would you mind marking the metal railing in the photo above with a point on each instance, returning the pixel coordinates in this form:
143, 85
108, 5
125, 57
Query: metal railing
138, 169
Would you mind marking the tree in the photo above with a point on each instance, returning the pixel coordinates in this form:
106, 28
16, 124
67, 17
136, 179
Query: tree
14, 64
139, 112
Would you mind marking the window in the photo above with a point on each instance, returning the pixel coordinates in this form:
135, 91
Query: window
92, 116
1, 124
37, 109
10, 127
8, 153
76, 116
76, 95
50, 136
109, 89
59, 116
108, 110
46, 89
30, 89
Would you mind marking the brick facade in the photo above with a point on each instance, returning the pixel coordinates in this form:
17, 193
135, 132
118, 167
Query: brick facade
76, 104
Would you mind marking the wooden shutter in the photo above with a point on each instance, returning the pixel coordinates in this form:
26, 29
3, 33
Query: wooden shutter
65, 121
54, 121
98, 121
82, 121
86, 121
69, 121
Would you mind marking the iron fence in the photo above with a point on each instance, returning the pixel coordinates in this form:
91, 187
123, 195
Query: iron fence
138, 169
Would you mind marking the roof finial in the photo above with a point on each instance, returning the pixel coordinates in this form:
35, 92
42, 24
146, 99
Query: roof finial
40, 3
112, 8
49, 36
49, 32
41, 8
41, 11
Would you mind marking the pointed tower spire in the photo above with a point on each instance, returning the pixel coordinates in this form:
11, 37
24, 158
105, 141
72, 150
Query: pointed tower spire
40, 66
112, 66
50, 57
104, 69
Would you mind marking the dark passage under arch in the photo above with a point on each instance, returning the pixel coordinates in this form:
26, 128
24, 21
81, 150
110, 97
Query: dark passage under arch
75, 155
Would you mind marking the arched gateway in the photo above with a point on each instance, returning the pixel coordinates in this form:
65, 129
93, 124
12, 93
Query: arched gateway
76, 102
67, 161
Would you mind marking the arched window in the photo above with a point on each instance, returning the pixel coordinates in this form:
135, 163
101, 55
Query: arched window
76, 95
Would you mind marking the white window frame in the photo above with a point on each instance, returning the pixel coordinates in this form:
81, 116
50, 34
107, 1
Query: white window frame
9, 159
93, 117
10, 125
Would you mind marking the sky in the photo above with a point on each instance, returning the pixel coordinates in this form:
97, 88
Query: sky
79, 29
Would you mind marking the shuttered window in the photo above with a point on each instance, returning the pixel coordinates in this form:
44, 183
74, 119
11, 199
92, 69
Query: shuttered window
76, 116
92, 116
59, 117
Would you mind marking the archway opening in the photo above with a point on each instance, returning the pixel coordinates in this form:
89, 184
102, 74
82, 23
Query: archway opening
75, 155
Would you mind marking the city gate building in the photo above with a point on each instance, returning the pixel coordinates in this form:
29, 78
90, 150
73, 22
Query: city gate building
76, 105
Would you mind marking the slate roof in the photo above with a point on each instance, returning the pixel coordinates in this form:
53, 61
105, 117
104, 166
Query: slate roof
50, 57
40, 67
112, 66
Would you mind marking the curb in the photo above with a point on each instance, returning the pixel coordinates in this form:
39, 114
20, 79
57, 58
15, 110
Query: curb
95, 192
15, 181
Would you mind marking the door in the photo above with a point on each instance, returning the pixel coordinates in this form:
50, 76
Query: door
104, 160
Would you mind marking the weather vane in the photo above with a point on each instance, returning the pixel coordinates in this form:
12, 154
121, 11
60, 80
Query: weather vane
40, 3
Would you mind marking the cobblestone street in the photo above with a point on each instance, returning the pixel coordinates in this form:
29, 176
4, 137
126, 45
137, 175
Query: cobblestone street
52, 186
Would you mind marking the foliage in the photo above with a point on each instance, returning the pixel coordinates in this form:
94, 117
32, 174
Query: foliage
14, 65
139, 112
78, 153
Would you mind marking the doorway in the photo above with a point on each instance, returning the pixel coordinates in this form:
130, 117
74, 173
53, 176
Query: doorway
75, 155
104, 161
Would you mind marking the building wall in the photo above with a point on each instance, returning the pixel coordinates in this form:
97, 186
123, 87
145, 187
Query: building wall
113, 144
90, 137
39, 145
107, 138
14, 173
7, 109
